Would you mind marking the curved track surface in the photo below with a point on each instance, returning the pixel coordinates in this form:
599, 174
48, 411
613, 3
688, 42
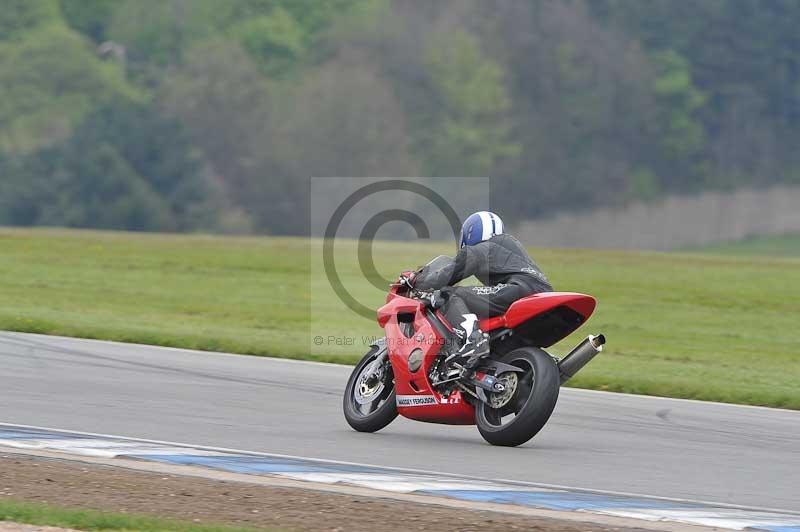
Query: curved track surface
662, 447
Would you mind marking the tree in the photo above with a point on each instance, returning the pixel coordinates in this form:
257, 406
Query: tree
159, 151
275, 40
583, 107
97, 189
343, 121
156, 34
742, 57
276, 33
682, 134
51, 80
474, 129
17, 17
125, 167
223, 102
90, 17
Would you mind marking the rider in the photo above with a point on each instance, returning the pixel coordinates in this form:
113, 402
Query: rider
499, 261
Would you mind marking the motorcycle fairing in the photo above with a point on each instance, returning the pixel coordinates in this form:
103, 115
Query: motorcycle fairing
543, 319
409, 326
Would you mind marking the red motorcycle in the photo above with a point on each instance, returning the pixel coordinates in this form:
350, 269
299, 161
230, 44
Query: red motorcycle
509, 395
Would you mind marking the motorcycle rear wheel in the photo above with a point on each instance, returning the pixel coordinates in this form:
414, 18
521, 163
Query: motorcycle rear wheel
369, 406
525, 413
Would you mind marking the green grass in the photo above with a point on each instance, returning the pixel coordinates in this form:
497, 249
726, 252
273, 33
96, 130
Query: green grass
46, 515
779, 246
714, 327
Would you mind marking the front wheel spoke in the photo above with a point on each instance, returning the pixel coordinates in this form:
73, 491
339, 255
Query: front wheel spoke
385, 393
366, 409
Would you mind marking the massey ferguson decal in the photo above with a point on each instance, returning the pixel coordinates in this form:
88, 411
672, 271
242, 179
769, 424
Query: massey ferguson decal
416, 400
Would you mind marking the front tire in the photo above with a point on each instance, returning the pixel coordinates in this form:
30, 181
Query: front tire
520, 416
369, 405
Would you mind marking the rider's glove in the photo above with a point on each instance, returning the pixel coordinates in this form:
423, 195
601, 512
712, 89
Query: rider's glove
410, 278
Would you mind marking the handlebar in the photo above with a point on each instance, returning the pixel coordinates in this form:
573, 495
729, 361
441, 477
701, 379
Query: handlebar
408, 290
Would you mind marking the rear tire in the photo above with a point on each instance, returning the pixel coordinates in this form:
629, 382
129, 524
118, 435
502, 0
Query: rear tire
532, 404
371, 416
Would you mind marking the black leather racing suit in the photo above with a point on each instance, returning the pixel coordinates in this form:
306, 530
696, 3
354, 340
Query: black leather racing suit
500, 263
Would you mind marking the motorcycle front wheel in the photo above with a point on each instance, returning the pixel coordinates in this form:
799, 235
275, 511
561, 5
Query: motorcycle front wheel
517, 414
369, 401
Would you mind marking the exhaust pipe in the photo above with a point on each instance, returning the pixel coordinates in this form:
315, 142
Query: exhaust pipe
580, 356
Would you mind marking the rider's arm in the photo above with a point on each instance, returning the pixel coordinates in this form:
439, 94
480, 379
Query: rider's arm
471, 260
446, 271
436, 274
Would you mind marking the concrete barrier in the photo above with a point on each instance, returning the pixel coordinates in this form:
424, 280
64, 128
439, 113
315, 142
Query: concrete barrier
674, 222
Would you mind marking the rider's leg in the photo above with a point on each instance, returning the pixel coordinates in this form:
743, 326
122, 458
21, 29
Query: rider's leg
468, 344
466, 305
465, 324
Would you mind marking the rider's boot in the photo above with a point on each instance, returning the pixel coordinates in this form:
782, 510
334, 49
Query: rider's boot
475, 346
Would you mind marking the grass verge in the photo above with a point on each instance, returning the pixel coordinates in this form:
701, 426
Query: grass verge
713, 327
47, 515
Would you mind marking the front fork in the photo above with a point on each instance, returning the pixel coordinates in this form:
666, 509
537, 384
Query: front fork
377, 368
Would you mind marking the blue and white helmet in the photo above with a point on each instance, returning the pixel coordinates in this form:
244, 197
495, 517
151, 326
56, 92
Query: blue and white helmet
480, 226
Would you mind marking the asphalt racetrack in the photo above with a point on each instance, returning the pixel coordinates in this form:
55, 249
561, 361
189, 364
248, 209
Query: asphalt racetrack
660, 447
